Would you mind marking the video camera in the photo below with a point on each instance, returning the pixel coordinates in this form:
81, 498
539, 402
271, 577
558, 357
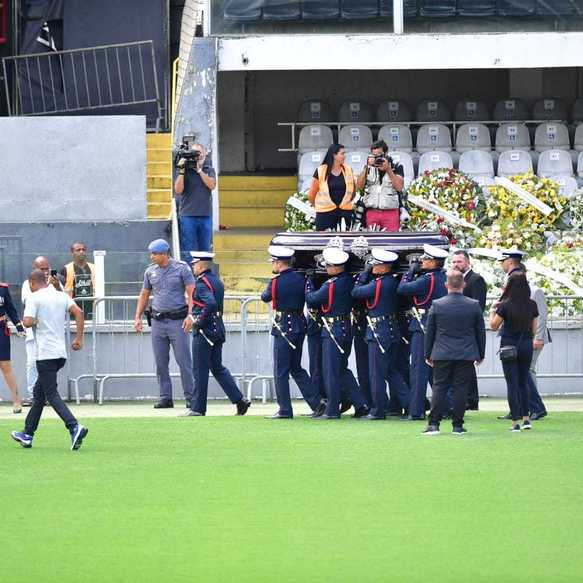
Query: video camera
185, 151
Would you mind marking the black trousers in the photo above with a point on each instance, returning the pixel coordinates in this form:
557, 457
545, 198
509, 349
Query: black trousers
473, 395
45, 389
517, 373
333, 219
456, 374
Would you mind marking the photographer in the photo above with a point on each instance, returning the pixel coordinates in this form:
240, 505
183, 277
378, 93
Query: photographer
193, 188
382, 181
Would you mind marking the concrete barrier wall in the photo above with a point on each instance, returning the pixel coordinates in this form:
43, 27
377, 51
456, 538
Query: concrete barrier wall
86, 168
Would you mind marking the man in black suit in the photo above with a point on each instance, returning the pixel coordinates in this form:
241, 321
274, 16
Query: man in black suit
455, 339
476, 288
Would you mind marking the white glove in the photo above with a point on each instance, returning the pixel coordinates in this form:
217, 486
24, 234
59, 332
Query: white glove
404, 215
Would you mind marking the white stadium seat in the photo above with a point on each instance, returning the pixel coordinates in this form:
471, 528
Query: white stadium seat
510, 110
478, 165
514, 162
307, 166
555, 163
356, 159
567, 185
510, 136
551, 136
354, 112
355, 137
434, 160
315, 137
433, 137
430, 110
397, 137
473, 137
393, 111
405, 159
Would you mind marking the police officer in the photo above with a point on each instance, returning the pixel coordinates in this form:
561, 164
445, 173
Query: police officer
7, 310
424, 282
286, 292
208, 338
382, 331
172, 285
335, 301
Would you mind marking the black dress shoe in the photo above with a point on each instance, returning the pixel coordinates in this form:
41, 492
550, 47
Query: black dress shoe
243, 406
344, 406
506, 417
533, 417
326, 417
279, 416
360, 412
164, 405
319, 410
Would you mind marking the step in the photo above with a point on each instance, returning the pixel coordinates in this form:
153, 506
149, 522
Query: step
258, 182
159, 210
159, 155
159, 195
254, 198
244, 285
250, 217
247, 269
159, 140
243, 239
156, 181
159, 168
254, 255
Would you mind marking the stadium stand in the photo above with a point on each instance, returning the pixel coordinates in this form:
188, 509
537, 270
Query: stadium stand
354, 112
434, 160
278, 10
355, 137
479, 165
512, 137
314, 110
511, 110
242, 10
514, 162
473, 137
471, 111
352, 9
476, 8
433, 137
320, 9
431, 110
516, 8
549, 109
308, 164
394, 111
315, 137
437, 8
356, 159
404, 158
397, 137
554, 163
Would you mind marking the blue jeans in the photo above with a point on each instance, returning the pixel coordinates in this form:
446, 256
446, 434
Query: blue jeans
195, 235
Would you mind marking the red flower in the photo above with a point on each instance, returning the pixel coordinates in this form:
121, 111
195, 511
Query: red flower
440, 220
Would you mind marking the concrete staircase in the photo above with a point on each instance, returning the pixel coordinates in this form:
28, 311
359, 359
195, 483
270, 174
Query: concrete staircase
252, 207
159, 175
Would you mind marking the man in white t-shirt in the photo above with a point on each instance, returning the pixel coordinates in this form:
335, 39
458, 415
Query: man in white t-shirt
43, 264
47, 312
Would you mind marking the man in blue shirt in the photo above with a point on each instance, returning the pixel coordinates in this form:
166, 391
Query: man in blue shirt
193, 189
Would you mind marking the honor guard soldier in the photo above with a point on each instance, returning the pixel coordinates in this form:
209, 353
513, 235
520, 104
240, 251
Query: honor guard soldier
359, 330
172, 284
8, 311
208, 337
510, 261
424, 282
314, 336
335, 301
382, 331
286, 292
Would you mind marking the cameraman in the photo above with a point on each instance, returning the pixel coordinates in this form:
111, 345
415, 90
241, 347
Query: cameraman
193, 188
382, 181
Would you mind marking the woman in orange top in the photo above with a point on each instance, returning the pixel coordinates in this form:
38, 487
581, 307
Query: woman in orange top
332, 190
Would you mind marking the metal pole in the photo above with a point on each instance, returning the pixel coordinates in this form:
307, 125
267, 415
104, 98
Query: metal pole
398, 19
99, 259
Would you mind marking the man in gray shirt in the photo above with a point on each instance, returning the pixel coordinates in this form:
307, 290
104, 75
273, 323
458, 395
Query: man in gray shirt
193, 189
171, 284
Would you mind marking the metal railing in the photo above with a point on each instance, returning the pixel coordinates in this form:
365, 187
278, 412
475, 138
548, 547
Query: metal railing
87, 79
117, 352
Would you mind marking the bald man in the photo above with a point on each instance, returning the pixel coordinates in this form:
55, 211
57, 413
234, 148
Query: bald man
41, 263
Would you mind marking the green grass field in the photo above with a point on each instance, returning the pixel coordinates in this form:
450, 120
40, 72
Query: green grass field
247, 500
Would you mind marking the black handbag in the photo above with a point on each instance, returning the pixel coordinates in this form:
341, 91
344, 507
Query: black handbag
510, 352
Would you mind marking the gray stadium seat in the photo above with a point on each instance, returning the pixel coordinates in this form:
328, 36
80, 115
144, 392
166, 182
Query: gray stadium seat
404, 158
356, 159
551, 109
281, 10
511, 110
473, 137
557, 8
356, 9
409, 8
567, 185
315, 111
242, 10
516, 7
551, 136
476, 7
554, 163
471, 111
397, 137
355, 137
577, 111
315, 137
433, 110
391, 111
437, 8
511, 136
580, 165
433, 137
578, 141
479, 165
434, 160
514, 162
320, 9
307, 166
354, 112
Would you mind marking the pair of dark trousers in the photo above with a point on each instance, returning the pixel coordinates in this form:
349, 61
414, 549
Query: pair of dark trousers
535, 403
333, 219
45, 389
457, 376
288, 361
473, 394
516, 373
207, 358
